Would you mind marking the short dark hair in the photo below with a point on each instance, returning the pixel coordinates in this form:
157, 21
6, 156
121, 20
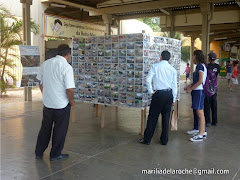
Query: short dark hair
199, 56
57, 21
63, 50
228, 61
235, 63
187, 63
166, 55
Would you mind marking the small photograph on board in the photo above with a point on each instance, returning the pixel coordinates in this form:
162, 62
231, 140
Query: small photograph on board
122, 59
114, 59
94, 46
101, 39
138, 45
130, 45
94, 39
88, 46
108, 46
114, 52
75, 46
107, 59
75, 40
75, 53
122, 45
100, 46
115, 45
100, 53
138, 37
130, 66
88, 40
130, 59
108, 53
122, 80
108, 39
122, 38
114, 38
122, 52
130, 37
139, 59
139, 52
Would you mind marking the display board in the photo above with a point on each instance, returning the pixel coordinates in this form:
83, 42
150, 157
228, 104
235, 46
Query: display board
30, 59
112, 70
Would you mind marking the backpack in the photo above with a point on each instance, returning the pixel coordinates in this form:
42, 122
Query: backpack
211, 84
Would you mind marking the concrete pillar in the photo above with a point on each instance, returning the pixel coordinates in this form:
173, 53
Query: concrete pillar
193, 38
41, 38
172, 31
26, 38
26, 21
205, 11
107, 19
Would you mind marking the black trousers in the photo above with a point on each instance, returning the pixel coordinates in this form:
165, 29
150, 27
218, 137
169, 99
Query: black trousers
60, 119
210, 103
161, 103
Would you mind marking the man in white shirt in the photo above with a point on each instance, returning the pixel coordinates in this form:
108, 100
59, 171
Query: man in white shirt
57, 86
164, 93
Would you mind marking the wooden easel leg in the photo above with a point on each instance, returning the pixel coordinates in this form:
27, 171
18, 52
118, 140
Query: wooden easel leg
177, 109
116, 108
73, 114
96, 109
102, 116
143, 115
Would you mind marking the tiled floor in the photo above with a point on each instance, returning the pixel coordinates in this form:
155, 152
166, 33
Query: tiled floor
113, 152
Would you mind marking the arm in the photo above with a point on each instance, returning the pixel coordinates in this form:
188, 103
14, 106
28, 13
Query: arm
174, 87
41, 87
149, 80
70, 93
69, 85
200, 81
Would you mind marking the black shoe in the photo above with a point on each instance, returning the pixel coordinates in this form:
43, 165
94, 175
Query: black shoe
62, 156
142, 141
215, 124
208, 124
39, 157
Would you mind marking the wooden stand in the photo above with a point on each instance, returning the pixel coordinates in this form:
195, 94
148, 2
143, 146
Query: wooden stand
96, 109
102, 116
143, 120
177, 109
73, 114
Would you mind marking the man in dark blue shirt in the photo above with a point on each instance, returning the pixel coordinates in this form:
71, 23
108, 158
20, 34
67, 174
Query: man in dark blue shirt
210, 102
229, 72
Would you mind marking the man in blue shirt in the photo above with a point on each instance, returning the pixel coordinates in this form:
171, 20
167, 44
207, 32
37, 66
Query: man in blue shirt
164, 93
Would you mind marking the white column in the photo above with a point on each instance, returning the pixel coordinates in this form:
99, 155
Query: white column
107, 19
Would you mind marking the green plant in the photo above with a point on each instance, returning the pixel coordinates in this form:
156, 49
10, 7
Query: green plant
11, 35
152, 22
185, 53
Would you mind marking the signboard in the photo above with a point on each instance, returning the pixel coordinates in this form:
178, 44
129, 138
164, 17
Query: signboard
30, 59
56, 26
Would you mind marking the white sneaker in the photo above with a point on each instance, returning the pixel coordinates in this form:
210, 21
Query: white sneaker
204, 135
192, 131
196, 138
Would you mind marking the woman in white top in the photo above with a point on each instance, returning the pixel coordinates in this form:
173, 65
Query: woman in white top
198, 96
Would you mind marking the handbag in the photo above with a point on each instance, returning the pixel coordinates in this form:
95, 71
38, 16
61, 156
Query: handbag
173, 121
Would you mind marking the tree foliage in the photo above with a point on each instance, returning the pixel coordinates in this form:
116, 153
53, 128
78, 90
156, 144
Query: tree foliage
152, 22
185, 53
11, 29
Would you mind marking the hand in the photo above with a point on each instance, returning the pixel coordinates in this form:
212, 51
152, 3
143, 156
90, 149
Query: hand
173, 104
72, 103
189, 90
185, 88
154, 91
